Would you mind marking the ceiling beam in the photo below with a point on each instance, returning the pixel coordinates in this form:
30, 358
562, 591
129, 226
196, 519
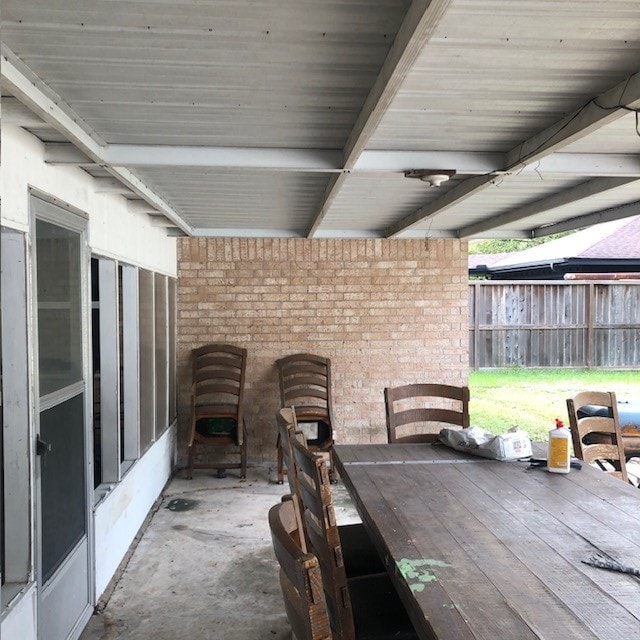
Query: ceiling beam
606, 215
22, 83
478, 163
415, 31
468, 162
587, 164
456, 194
14, 112
329, 160
110, 185
596, 113
316, 160
65, 154
142, 206
561, 198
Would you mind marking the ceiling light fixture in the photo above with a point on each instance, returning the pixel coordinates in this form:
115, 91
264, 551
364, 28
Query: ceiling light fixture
433, 177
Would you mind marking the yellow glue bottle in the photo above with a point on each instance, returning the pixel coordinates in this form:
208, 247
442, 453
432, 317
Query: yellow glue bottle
558, 458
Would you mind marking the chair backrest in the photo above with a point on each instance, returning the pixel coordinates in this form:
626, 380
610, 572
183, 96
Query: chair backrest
323, 535
218, 380
596, 437
300, 576
422, 409
305, 382
288, 430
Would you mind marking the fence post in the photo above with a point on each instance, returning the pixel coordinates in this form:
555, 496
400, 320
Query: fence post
590, 322
476, 326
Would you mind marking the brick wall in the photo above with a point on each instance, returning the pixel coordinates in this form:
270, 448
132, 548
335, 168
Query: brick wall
386, 312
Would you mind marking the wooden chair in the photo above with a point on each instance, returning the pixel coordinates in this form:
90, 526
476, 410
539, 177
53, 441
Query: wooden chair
300, 577
362, 608
217, 398
597, 438
360, 555
305, 382
405, 408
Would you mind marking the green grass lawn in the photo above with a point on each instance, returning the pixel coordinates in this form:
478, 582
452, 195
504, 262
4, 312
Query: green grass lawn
532, 398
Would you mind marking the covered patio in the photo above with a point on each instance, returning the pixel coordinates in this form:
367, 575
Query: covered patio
285, 176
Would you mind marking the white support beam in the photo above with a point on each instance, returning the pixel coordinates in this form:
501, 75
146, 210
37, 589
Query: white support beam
606, 215
329, 160
454, 196
162, 221
110, 185
559, 199
478, 163
22, 83
14, 112
65, 154
415, 31
588, 164
468, 162
315, 160
599, 111
142, 206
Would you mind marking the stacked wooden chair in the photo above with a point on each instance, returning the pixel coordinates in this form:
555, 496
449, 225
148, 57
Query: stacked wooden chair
358, 551
417, 412
598, 438
366, 607
305, 383
300, 576
217, 411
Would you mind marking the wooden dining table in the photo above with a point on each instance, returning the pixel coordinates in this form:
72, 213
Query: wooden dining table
482, 549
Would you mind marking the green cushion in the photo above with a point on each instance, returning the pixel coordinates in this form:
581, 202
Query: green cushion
217, 427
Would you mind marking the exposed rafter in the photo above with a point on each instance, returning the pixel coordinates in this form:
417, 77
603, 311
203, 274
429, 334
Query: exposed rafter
66, 154
479, 163
31, 91
599, 111
564, 197
315, 160
110, 185
419, 23
606, 215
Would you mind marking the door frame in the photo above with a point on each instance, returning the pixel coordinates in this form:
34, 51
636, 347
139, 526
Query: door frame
75, 220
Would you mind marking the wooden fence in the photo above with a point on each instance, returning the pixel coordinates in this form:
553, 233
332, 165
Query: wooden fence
554, 323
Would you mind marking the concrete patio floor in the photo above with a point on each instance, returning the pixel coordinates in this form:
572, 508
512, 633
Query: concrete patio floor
204, 568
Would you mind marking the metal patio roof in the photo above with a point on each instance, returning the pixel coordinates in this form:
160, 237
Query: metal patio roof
300, 117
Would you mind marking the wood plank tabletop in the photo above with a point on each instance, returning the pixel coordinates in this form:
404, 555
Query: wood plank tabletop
480, 549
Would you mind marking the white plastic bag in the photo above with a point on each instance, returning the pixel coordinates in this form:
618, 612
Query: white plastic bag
513, 445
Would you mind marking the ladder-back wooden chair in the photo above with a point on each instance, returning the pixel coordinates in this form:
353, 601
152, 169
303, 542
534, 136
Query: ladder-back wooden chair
217, 399
365, 607
360, 555
305, 383
597, 438
300, 577
417, 412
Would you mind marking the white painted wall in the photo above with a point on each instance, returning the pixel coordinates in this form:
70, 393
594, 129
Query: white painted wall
19, 621
113, 230
119, 516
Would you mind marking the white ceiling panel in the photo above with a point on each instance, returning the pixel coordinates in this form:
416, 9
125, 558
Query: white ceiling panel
533, 104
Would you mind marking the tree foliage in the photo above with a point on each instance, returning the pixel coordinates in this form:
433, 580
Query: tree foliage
509, 246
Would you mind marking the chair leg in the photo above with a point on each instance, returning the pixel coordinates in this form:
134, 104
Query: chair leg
280, 462
243, 460
190, 462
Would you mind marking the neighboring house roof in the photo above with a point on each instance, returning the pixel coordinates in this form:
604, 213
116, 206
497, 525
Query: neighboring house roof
608, 247
488, 259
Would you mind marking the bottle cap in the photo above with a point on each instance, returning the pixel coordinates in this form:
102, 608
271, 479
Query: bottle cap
559, 423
